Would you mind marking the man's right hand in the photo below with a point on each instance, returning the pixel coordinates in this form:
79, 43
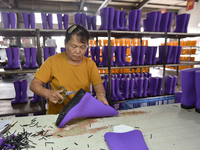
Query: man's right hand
54, 96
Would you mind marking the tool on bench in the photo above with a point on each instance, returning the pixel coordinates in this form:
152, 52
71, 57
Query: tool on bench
64, 93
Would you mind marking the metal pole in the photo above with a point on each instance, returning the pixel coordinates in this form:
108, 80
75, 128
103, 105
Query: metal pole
109, 67
164, 65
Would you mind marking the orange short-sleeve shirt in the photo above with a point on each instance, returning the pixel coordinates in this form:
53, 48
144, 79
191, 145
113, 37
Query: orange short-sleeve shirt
59, 72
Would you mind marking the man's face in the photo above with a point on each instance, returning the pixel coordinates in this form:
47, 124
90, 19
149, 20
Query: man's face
75, 49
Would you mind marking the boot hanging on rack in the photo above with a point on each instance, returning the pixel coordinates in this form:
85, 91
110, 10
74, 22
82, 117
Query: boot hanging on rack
131, 88
139, 15
172, 58
145, 87
154, 55
104, 13
164, 22
142, 54
178, 54
13, 20
148, 55
23, 87
83, 19
65, 21
118, 57
44, 20
123, 54
32, 20
59, 18
10, 59
158, 21
52, 51
116, 20
25, 16
125, 87
77, 18
123, 20
113, 88
139, 86
181, 23
33, 51
149, 23
97, 51
27, 53
153, 86
50, 21
168, 84
46, 52
159, 88
174, 85
111, 18
168, 54
94, 26
89, 22
171, 17
135, 54
6, 20
117, 89
93, 53
17, 92
16, 56
132, 19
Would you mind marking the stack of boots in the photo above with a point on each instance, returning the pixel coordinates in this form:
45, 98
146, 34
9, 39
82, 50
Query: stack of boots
50, 21
197, 85
173, 55
111, 18
27, 56
149, 52
164, 22
139, 86
139, 15
89, 22
123, 20
154, 55
168, 54
66, 21
118, 60
16, 55
149, 23
116, 25
142, 53
153, 85
46, 52
94, 25
6, 20
26, 20
83, 19
33, 64
171, 16
168, 84
145, 87
117, 89
77, 18
104, 13
125, 87
132, 19
17, 92
59, 18
131, 88
123, 54
178, 54
174, 85
23, 87
159, 16
32, 20
159, 88
10, 58
182, 21
44, 20
13, 20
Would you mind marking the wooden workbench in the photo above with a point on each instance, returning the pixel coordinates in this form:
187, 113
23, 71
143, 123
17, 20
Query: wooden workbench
165, 127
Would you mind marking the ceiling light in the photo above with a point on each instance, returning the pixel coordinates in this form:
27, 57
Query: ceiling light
85, 8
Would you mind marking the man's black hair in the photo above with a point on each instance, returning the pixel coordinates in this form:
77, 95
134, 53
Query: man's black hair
79, 30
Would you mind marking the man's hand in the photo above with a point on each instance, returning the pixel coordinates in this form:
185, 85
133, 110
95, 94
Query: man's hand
102, 98
54, 96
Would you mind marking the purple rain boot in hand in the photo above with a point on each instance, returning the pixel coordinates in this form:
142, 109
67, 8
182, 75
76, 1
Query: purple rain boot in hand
6, 20
33, 51
131, 88
16, 56
132, 140
35, 98
111, 18
168, 54
118, 60
104, 13
138, 87
142, 52
89, 21
65, 21
116, 25
173, 55
59, 18
32, 20
83, 19
94, 20
17, 92
24, 96
97, 52
10, 59
159, 16
132, 19
125, 85
13, 20
46, 52
168, 84
153, 85
181, 21
139, 15
178, 54
25, 16
164, 22
92, 53
27, 53
135, 54
150, 22
52, 51
174, 85
159, 87
187, 22
84, 105
189, 97
148, 55
197, 81
171, 17
114, 96
123, 56
117, 89
44, 20
145, 86
50, 21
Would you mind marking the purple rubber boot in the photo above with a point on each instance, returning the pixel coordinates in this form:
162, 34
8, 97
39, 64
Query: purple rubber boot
116, 25
139, 15
92, 53
178, 96
87, 52
132, 19
164, 22
181, 21
28, 58
25, 16
62, 49
159, 16
83, 19
154, 55
111, 18
9, 54
187, 22
145, 87
189, 95
50, 21
159, 87
142, 54
118, 60
104, 13
97, 51
59, 18
84, 105
169, 50
178, 54
148, 55
135, 54
77, 18
126, 140
13, 20
94, 20
52, 51
153, 85
150, 22
89, 22
65, 21
174, 85
172, 58
161, 54
123, 54
114, 96
6, 20
46, 52
197, 81
32, 20
125, 89
44, 20
16, 56
105, 56
168, 84
139, 87
35, 98
131, 88
33, 51
24, 96
117, 89
112, 52
122, 22
17, 92
171, 17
